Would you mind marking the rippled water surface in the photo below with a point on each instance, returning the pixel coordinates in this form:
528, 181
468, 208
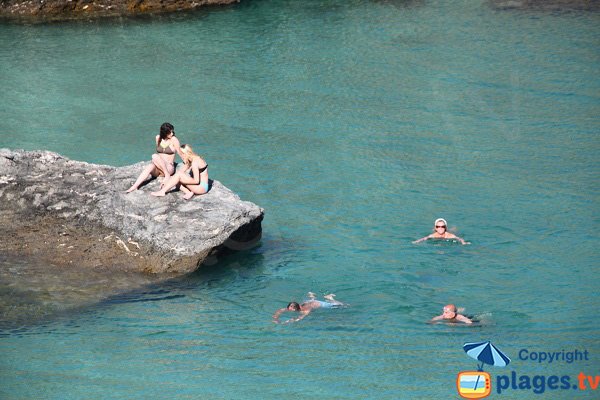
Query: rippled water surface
354, 124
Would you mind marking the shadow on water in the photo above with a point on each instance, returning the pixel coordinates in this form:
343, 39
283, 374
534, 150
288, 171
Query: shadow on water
401, 3
229, 268
545, 5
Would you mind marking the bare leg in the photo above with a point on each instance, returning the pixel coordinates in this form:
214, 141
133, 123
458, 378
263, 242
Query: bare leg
167, 185
197, 189
149, 170
330, 299
188, 194
162, 166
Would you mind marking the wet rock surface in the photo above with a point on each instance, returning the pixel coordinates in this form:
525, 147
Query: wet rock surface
63, 10
72, 213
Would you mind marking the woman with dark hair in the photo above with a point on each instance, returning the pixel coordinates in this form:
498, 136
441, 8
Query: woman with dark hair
163, 161
192, 179
306, 307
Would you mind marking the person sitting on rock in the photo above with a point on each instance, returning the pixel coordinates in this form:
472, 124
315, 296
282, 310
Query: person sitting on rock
192, 179
163, 161
306, 307
440, 232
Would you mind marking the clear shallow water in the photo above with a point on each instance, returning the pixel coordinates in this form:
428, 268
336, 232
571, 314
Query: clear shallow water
354, 124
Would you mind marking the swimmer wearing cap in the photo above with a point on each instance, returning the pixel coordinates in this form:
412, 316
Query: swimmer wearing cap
450, 314
306, 307
440, 232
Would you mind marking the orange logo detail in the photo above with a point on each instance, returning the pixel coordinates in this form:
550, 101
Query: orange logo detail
473, 384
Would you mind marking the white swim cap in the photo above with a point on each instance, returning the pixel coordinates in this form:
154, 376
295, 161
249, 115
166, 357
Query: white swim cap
440, 220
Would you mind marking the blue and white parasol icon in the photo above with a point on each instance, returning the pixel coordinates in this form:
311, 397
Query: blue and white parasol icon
487, 353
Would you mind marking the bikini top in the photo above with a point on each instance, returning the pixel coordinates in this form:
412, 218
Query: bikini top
201, 170
161, 148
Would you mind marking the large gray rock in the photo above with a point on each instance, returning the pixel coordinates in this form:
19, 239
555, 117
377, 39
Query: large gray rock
73, 211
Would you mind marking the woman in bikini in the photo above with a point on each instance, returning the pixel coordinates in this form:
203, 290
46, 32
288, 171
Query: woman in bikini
163, 161
192, 179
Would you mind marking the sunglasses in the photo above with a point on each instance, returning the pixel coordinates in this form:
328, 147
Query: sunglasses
440, 226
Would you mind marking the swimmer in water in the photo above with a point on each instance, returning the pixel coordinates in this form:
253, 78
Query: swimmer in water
306, 307
450, 314
440, 232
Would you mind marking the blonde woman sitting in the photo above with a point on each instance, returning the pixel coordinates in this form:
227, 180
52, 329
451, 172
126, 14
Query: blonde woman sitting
192, 179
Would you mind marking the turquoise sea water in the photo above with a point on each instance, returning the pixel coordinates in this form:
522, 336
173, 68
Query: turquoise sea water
354, 124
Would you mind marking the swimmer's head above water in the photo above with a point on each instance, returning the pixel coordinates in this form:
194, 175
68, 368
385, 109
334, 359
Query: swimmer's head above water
293, 306
450, 314
449, 311
440, 231
440, 224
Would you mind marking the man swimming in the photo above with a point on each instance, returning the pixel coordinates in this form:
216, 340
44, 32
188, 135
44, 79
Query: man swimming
450, 314
306, 307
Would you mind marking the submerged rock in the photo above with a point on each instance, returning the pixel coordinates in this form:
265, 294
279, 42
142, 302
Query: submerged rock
76, 213
546, 5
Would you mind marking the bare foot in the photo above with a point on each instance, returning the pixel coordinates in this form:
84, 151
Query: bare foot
131, 189
160, 193
311, 295
163, 180
329, 297
188, 196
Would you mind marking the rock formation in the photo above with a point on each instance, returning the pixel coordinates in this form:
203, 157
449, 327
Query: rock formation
73, 212
60, 10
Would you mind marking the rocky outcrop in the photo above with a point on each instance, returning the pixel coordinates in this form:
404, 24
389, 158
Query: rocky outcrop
73, 212
60, 10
